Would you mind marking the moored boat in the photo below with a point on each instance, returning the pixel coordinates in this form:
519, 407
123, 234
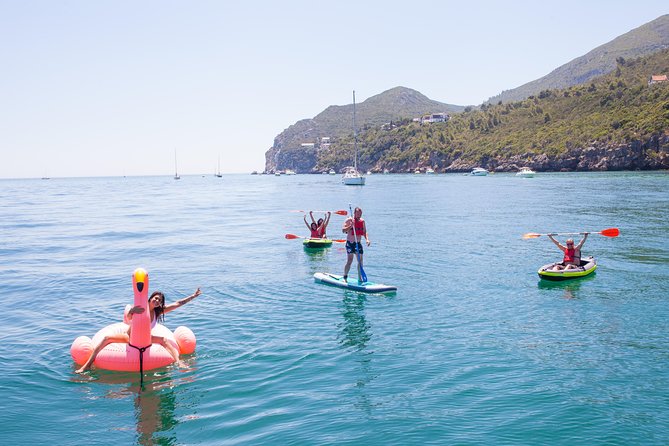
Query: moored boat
525, 172
353, 177
478, 172
588, 266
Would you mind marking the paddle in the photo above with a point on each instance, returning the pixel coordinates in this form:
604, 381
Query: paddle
362, 277
293, 236
342, 212
609, 232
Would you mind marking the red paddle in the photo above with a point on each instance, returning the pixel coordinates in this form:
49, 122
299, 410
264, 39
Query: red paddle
342, 212
293, 236
609, 232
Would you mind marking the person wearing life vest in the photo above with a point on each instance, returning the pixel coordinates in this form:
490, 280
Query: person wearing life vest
353, 242
313, 227
572, 254
323, 225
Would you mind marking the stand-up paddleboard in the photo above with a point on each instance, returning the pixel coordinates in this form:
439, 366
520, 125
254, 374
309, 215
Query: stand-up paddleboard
352, 284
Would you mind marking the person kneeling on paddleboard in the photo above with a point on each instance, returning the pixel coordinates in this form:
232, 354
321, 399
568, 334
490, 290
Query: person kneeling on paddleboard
572, 254
354, 228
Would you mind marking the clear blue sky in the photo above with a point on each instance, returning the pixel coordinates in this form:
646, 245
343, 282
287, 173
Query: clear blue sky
92, 88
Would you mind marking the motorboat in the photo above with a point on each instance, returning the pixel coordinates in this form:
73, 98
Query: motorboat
525, 172
478, 172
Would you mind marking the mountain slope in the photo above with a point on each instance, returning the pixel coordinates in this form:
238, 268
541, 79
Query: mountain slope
642, 41
336, 121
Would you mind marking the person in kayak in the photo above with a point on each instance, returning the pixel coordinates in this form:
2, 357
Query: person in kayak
313, 227
353, 244
572, 254
323, 225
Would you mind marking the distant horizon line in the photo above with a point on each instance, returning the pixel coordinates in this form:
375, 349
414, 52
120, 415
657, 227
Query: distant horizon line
127, 176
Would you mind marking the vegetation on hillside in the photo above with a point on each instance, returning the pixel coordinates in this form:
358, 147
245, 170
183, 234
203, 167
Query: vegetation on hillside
640, 42
615, 109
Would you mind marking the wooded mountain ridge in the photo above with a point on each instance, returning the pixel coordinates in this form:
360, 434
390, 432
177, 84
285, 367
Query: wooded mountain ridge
611, 122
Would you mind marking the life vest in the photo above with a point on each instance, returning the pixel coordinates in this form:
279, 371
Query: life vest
359, 226
569, 256
315, 233
321, 231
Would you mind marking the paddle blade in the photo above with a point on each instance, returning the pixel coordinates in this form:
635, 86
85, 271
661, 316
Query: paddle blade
611, 232
341, 212
341, 240
531, 235
363, 276
292, 236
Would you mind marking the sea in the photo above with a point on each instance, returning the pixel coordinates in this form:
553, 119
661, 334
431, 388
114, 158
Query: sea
473, 348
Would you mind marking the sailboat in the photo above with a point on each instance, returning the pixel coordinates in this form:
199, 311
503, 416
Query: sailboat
218, 173
176, 172
351, 175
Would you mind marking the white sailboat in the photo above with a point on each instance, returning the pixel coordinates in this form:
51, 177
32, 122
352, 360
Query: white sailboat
176, 171
352, 177
218, 173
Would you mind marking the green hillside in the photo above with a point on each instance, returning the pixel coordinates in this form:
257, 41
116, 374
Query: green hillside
335, 122
642, 41
618, 113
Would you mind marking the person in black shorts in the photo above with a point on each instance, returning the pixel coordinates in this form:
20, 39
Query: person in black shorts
355, 228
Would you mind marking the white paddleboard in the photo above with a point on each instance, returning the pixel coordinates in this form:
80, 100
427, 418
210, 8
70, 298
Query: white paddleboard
352, 284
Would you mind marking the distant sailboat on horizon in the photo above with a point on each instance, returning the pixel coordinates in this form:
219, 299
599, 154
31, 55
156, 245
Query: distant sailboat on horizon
176, 171
218, 173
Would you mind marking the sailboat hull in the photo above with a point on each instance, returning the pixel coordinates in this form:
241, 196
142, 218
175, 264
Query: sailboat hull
354, 181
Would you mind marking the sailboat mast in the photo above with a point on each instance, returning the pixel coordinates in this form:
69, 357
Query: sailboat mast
355, 137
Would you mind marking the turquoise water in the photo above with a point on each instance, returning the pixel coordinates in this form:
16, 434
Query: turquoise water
472, 349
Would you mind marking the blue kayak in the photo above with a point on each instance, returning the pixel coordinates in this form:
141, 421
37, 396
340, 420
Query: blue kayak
353, 284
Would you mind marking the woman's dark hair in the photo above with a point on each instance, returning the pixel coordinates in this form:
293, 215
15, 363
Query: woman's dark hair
158, 311
320, 220
314, 226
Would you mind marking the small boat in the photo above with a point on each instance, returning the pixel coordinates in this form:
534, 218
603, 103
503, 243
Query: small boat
176, 171
429, 171
525, 172
317, 243
478, 172
352, 284
332, 172
218, 172
587, 267
290, 172
352, 177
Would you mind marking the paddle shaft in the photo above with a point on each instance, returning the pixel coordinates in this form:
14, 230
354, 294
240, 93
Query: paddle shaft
294, 236
609, 232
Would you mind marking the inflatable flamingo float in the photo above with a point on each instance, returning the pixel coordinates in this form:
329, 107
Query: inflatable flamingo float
140, 354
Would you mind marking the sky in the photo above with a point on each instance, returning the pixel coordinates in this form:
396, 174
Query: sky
113, 88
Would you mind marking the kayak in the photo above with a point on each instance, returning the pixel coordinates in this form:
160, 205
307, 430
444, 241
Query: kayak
317, 243
352, 284
587, 267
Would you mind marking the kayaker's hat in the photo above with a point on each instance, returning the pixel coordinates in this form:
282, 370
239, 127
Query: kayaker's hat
570, 241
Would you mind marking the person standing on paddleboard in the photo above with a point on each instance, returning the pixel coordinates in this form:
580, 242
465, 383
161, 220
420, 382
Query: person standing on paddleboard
572, 254
354, 228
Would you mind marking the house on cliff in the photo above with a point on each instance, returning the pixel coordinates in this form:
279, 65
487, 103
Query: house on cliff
657, 79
